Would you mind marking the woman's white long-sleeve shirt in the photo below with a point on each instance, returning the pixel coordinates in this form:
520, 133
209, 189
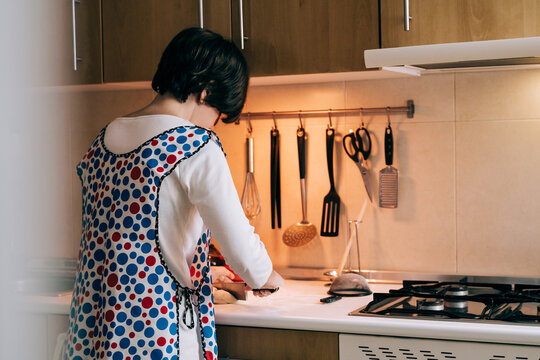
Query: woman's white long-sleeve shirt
200, 191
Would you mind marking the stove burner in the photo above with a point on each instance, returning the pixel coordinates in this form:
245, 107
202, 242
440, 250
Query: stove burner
430, 304
457, 290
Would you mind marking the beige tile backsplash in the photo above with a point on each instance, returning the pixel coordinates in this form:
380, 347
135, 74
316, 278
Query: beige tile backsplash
469, 168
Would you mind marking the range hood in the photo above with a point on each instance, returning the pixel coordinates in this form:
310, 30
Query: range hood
490, 54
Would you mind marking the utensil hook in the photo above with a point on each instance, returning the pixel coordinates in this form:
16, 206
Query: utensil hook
388, 115
274, 119
330, 119
249, 128
300, 118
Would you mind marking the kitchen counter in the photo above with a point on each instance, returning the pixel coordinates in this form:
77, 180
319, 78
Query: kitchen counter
296, 306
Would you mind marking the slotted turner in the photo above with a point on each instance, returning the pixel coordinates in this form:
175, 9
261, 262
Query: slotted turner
388, 176
331, 203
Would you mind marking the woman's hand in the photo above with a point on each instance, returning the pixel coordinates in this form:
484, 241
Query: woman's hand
275, 281
220, 274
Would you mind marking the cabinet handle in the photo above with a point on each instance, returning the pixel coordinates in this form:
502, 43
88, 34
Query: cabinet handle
74, 22
406, 15
242, 37
201, 14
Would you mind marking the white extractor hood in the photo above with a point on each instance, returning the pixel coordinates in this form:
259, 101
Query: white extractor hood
490, 54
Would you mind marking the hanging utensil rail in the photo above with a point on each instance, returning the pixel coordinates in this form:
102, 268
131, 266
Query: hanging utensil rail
409, 110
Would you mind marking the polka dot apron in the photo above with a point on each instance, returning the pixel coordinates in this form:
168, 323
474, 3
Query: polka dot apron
126, 303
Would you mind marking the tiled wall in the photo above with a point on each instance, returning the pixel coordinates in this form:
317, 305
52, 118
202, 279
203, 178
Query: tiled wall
468, 170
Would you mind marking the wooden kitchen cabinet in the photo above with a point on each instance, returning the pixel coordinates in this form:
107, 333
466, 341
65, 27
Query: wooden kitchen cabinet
299, 36
135, 32
56, 46
445, 21
238, 342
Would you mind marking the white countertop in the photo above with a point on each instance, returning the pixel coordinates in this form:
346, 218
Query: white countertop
296, 306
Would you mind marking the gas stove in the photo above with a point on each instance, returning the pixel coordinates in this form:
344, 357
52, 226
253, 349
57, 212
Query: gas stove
468, 298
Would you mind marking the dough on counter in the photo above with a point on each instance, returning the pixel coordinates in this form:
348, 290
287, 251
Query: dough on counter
223, 297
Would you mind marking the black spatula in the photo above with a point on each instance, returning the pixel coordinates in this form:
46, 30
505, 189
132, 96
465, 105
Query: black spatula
331, 203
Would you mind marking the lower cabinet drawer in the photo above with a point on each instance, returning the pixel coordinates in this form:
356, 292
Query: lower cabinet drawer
251, 343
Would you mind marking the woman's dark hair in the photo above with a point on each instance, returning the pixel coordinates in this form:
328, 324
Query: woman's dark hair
197, 59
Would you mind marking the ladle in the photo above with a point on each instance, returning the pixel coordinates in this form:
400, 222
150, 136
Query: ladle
349, 284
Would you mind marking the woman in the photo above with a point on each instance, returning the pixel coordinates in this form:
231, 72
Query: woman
155, 184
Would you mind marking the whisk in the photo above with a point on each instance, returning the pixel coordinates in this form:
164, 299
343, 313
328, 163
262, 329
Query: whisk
250, 196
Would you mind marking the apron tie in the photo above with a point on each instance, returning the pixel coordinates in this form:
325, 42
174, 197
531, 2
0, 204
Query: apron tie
188, 307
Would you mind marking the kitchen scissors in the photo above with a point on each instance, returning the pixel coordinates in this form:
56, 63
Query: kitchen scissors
359, 150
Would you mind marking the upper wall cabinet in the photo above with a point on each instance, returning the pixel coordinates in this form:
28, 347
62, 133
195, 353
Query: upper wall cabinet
305, 36
68, 43
135, 32
444, 21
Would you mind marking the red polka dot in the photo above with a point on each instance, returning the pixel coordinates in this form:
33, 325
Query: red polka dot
109, 315
118, 287
148, 322
149, 291
97, 345
209, 355
160, 169
112, 280
78, 347
147, 302
171, 159
155, 142
116, 236
180, 152
192, 271
117, 307
150, 261
174, 298
141, 236
204, 320
142, 274
134, 208
190, 135
198, 274
132, 335
119, 165
163, 309
141, 180
171, 138
99, 240
90, 154
144, 315
142, 199
171, 341
100, 269
132, 297
114, 345
161, 341
135, 173
127, 246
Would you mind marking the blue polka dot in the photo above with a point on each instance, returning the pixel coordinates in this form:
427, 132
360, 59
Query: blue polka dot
148, 332
119, 330
181, 139
171, 148
151, 234
131, 269
152, 163
152, 279
207, 331
172, 328
122, 258
124, 343
146, 153
146, 248
162, 324
156, 354
153, 313
86, 308
204, 309
139, 325
118, 356
186, 147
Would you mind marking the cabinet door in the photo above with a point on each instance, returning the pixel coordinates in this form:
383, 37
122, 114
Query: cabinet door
58, 45
300, 36
444, 21
135, 32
